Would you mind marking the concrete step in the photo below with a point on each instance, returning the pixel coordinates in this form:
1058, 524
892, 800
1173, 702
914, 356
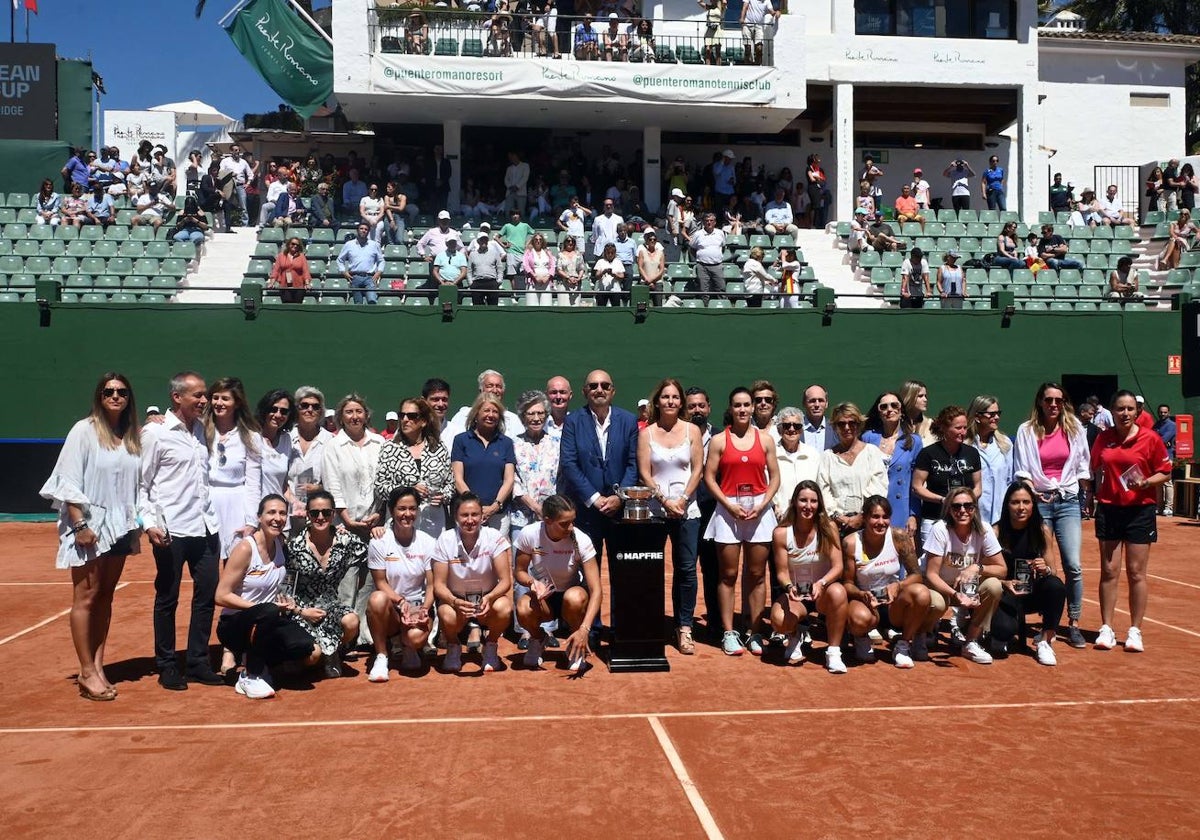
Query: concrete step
833, 267
219, 274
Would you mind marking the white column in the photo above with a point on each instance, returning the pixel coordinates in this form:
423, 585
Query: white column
1031, 166
652, 167
452, 149
843, 144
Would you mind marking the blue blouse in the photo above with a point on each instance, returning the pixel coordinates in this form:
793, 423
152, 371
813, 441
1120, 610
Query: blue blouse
483, 463
900, 467
997, 475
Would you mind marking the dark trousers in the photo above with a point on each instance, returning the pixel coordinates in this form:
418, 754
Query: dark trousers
709, 570
599, 528
1047, 597
265, 635
200, 555
684, 534
961, 202
484, 291
291, 295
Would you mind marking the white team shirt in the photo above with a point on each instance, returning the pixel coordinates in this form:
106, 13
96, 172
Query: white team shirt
404, 566
470, 570
957, 555
871, 573
805, 563
562, 559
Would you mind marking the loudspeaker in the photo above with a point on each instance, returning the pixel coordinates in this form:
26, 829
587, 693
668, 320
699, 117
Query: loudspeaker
1189, 343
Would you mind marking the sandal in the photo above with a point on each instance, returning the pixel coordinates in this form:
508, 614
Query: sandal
99, 696
684, 641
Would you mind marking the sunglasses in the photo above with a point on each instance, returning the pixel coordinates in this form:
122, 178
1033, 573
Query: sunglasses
892, 406
310, 406
410, 415
988, 414
790, 427
846, 424
1053, 400
282, 412
221, 460
603, 386
967, 506
320, 513
119, 392
767, 400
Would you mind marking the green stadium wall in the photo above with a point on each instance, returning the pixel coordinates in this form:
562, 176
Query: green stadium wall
75, 102
386, 353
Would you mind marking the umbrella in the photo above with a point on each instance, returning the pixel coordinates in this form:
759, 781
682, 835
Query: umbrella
195, 112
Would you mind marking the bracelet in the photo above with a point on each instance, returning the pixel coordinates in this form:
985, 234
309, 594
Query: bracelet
76, 527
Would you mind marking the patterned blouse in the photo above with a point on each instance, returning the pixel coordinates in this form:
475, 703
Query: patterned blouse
318, 587
398, 468
536, 475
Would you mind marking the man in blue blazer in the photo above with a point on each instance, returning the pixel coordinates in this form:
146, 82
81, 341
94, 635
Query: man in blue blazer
289, 208
598, 450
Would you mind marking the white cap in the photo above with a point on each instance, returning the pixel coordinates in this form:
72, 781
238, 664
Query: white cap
482, 237
153, 409
391, 415
613, 16
727, 153
485, 225
678, 193
1140, 399
444, 214
643, 403
329, 412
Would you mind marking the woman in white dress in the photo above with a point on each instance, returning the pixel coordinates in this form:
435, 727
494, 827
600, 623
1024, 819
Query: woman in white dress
472, 579
94, 488
538, 266
234, 461
275, 414
808, 565
851, 470
402, 603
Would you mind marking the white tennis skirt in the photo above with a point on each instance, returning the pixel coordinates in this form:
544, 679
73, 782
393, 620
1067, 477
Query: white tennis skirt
723, 528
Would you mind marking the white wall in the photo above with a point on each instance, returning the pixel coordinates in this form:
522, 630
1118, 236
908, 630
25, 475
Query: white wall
901, 162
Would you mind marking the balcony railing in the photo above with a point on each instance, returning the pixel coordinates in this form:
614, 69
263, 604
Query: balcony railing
454, 33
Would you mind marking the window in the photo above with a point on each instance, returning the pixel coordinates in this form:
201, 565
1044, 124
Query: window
936, 18
1150, 100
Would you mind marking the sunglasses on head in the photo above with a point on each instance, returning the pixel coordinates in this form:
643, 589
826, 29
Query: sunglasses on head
119, 392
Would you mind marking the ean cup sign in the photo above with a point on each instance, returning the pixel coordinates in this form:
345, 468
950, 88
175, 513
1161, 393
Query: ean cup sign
28, 92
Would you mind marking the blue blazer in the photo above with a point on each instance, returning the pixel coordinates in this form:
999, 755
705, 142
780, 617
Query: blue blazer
285, 206
584, 470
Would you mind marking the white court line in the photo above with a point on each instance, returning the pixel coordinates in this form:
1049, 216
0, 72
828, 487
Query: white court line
506, 719
1159, 577
1151, 620
45, 621
689, 787
72, 583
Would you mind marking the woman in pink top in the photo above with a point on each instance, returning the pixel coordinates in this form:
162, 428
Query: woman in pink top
1052, 454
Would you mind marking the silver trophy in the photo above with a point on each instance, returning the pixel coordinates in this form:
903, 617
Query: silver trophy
636, 502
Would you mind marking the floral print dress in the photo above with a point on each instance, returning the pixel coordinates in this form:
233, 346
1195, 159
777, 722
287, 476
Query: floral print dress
318, 587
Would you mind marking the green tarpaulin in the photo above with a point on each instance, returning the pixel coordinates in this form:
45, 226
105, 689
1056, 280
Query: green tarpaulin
293, 59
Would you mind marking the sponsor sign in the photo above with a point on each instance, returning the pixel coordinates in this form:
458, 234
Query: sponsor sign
28, 92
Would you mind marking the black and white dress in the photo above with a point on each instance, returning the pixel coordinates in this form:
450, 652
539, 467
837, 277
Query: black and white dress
398, 468
318, 587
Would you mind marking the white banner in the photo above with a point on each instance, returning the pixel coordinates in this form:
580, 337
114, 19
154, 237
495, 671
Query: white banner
126, 129
612, 81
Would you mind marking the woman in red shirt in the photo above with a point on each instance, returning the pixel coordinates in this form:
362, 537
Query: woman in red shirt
1128, 463
742, 473
290, 274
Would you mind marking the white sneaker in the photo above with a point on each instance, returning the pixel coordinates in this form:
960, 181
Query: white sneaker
1106, 639
874, 635
794, 651
1168, 512
833, 660
255, 688
974, 651
576, 665
863, 650
900, 655
452, 662
1133, 642
491, 657
379, 669
410, 660
920, 648
1045, 653
533, 654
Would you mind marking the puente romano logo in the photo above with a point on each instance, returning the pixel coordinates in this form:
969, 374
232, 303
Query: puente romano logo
284, 46
16, 80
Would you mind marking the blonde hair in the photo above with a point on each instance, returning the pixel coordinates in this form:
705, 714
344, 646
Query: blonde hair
486, 398
978, 405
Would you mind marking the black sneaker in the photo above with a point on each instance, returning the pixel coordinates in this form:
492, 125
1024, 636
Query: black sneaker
205, 676
552, 642
1075, 638
172, 680
332, 666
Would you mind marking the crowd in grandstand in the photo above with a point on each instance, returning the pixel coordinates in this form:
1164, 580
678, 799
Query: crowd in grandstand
892, 531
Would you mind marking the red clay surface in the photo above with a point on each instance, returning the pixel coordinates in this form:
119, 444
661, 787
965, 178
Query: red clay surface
770, 749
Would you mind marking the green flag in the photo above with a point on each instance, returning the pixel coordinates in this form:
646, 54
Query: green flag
293, 59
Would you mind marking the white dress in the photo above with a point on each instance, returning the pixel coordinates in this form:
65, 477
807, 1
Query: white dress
234, 476
103, 482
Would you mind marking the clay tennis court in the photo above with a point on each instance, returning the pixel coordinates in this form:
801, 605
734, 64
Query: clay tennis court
1104, 745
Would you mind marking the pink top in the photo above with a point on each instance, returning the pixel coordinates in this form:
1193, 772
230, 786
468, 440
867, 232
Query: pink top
1054, 450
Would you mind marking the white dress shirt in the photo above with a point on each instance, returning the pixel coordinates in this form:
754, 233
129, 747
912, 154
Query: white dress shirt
175, 479
348, 472
814, 436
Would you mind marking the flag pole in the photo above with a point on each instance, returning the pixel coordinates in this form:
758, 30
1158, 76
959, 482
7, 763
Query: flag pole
26, 24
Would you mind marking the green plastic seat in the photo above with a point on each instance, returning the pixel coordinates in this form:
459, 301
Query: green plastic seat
123, 297
37, 265
119, 266
446, 47
160, 250
174, 267
93, 297
130, 248
26, 248
472, 48
79, 248
145, 265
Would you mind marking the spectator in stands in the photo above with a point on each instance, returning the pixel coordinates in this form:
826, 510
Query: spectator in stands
143, 155
724, 175
758, 17
609, 277
361, 262
433, 243
353, 192
163, 171
992, 185
880, 234
732, 217
951, 281
1053, 249
709, 247
914, 281
449, 267
193, 172
416, 33
538, 267
371, 211
1123, 281
604, 228
290, 272
572, 219
857, 241
1181, 232
309, 175
276, 185
153, 208
920, 190
778, 217
626, 249
1060, 195
615, 42
1086, 211
1169, 199
189, 227
1008, 251
1188, 187
907, 209
473, 204
587, 41
74, 207
1156, 189
569, 268
1033, 259
208, 194
320, 208
289, 208
714, 15
485, 269
871, 174
817, 191
866, 201
960, 172
513, 237
641, 40
1112, 209
516, 184
757, 280
99, 209
652, 266
47, 203
236, 170
1164, 426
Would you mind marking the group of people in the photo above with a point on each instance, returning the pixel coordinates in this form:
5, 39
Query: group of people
464, 526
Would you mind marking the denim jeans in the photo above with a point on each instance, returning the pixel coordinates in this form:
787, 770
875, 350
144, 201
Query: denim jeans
244, 207
1059, 265
196, 237
363, 281
995, 198
685, 538
1064, 518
